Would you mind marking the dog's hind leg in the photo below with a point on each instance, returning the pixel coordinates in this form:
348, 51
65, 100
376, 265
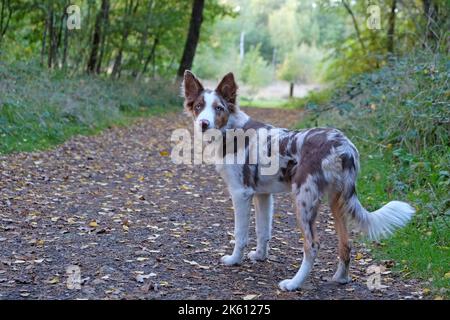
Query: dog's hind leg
337, 208
242, 204
264, 212
307, 202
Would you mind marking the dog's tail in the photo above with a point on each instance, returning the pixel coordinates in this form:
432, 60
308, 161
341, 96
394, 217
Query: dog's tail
380, 223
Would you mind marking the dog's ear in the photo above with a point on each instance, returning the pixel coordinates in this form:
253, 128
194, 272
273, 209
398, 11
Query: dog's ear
191, 88
228, 88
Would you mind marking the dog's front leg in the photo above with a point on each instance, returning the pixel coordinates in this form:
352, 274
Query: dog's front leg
264, 213
242, 204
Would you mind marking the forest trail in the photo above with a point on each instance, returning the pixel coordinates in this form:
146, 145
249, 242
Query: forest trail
140, 227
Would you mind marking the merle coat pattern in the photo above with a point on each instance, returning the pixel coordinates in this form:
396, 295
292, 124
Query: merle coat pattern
313, 162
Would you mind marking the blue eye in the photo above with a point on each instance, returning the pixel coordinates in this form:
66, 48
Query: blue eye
219, 108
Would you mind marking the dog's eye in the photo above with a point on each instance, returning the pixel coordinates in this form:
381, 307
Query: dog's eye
219, 108
198, 107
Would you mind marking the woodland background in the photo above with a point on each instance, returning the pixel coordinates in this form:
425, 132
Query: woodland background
387, 88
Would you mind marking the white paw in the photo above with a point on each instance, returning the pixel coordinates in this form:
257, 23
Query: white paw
288, 285
342, 279
230, 260
255, 256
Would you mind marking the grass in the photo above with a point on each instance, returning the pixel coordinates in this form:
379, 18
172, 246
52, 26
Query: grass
36, 137
399, 117
262, 103
421, 250
313, 98
41, 108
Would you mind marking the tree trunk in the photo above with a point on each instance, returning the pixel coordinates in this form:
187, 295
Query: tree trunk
44, 38
391, 29
291, 90
355, 24
192, 38
105, 26
5, 18
242, 46
430, 9
59, 36
96, 38
150, 56
144, 37
52, 39
65, 47
126, 32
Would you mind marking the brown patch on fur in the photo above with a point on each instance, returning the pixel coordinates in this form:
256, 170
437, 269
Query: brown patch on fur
294, 145
337, 205
348, 163
250, 179
252, 124
200, 102
288, 171
314, 149
227, 89
192, 89
283, 144
221, 117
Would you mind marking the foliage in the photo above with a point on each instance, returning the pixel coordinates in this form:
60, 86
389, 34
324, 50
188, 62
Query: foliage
134, 37
285, 33
254, 69
40, 108
399, 118
301, 65
350, 54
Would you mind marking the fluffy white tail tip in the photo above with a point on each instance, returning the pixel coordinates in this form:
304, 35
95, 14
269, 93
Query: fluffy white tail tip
384, 221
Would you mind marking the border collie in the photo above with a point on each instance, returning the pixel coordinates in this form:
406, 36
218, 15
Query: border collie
312, 163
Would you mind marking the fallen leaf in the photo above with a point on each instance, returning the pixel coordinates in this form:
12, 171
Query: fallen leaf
140, 259
192, 263
53, 280
142, 277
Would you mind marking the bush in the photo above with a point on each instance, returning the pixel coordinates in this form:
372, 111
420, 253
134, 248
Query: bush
301, 65
399, 118
255, 71
39, 108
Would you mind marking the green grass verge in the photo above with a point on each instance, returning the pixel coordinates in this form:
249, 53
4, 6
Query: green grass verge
262, 103
41, 108
36, 137
398, 118
421, 249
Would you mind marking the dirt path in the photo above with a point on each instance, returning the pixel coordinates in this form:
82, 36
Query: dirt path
139, 226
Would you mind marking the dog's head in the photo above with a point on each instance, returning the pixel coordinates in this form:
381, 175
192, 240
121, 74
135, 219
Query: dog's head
211, 109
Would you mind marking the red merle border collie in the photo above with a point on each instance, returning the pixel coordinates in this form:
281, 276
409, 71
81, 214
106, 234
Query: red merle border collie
313, 162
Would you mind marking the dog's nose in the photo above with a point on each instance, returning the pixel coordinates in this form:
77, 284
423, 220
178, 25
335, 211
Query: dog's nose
204, 124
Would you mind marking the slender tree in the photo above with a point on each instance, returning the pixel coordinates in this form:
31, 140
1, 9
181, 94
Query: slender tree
391, 28
431, 10
105, 26
5, 17
97, 37
355, 24
192, 37
127, 25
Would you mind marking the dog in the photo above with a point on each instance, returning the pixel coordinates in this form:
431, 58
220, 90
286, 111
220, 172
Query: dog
313, 163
